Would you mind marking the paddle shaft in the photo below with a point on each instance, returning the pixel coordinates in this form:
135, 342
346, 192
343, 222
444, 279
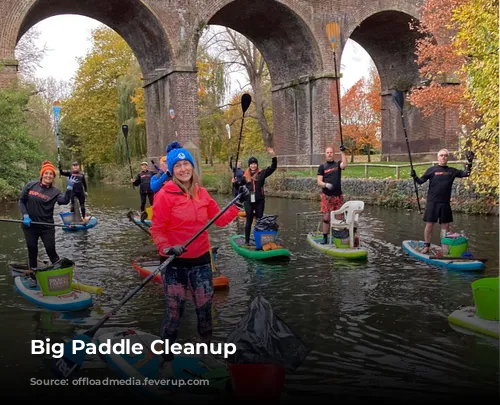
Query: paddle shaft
91, 332
35, 223
338, 96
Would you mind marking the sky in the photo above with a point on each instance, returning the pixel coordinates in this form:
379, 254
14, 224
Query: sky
68, 37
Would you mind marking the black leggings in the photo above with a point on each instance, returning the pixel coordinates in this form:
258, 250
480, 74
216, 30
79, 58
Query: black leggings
250, 208
48, 237
81, 200
143, 200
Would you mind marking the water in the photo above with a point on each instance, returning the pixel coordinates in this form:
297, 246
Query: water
376, 328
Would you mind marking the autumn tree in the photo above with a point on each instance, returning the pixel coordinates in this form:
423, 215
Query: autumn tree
477, 41
360, 117
90, 114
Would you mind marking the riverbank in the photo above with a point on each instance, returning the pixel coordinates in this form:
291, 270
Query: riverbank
383, 192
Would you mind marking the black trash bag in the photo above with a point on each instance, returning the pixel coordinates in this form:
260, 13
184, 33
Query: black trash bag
262, 338
62, 263
266, 223
341, 234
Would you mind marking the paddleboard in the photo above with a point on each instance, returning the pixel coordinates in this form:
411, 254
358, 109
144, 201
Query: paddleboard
414, 247
73, 301
332, 250
146, 268
238, 244
145, 365
137, 220
81, 227
467, 318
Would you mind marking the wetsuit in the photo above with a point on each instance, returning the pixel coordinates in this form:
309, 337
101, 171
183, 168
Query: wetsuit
256, 188
38, 202
333, 199
143, 180
238, 174
79, 189
439, 194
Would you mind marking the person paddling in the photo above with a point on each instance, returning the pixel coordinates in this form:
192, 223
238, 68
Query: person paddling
143, 180
438, 208
80, 190
181, 208
36, 203
254, 179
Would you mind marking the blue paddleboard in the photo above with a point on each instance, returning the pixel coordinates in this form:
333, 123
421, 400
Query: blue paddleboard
414, 247
75, 300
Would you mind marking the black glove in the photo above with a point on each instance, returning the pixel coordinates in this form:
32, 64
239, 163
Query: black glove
413, 174
342, 148
243, 190
175, 250
470, 156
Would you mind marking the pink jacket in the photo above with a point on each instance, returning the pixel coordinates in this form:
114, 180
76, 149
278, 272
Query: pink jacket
176, 218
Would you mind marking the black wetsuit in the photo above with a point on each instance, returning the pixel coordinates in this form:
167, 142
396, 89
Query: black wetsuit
38, 202
143, 180
256, 188
79, 189
439, 194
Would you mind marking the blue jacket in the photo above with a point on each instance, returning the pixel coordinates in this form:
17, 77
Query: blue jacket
157, 181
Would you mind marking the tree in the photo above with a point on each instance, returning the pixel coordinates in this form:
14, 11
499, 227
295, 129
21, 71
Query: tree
359, 117
91, 112
28, 54
241, 55
477, 41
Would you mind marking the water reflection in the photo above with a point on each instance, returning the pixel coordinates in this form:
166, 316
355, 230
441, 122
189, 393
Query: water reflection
377, 326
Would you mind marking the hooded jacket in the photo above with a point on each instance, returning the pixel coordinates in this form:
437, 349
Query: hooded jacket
256, 185
176, 218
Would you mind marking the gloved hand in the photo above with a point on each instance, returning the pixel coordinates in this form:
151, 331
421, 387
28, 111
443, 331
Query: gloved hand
26, 220
342, 148
329, 186
413, 173
243, 190
175, 250
470, 156
71, 181
86, 194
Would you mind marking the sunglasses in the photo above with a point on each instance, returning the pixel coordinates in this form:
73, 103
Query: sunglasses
443, 155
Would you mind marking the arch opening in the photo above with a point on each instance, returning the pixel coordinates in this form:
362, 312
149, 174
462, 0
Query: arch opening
278, 33
131, 19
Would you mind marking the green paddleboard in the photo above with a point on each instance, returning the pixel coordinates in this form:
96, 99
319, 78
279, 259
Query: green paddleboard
238, 244
331, 250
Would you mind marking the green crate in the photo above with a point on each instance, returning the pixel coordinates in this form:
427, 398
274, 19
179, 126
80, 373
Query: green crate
485, 293
56, 279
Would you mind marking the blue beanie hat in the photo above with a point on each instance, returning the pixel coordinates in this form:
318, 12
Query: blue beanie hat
175, 153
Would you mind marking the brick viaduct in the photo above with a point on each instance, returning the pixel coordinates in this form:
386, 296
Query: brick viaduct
291, 35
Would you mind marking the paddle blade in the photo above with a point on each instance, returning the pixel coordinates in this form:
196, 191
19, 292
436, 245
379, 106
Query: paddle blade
70, 362
398, 99
246, 99
333, 33
125, 130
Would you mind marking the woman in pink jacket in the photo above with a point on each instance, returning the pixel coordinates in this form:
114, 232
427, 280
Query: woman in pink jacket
181, 208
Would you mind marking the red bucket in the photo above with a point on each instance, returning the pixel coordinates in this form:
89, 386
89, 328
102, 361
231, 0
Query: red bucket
257, 380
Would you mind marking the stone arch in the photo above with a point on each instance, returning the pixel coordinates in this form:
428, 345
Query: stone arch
280, 39
146, 36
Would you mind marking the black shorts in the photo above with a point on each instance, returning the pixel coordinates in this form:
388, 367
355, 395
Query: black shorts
438, 211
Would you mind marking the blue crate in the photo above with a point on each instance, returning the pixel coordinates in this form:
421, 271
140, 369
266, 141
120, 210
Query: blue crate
264, 237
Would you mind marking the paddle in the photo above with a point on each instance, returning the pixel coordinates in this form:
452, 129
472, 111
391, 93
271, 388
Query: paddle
125, 134
70, 362
35, 223
129, 216
56, 108
398, 99
457, 258
333, 32
156, 167
246, 99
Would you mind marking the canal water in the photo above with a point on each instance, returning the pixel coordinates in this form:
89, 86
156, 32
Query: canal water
376, 328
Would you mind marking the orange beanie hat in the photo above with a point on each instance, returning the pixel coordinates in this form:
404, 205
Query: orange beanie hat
46, 165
